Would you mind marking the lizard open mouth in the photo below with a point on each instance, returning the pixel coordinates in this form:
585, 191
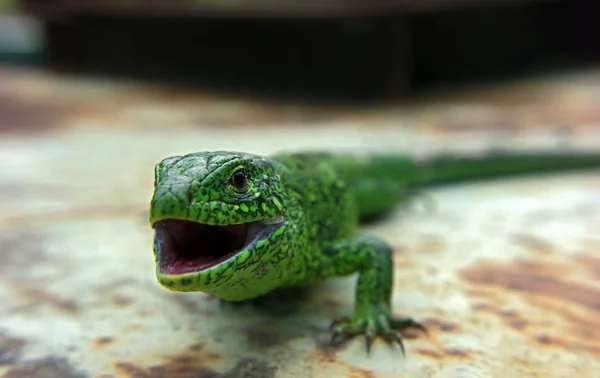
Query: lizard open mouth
187, 247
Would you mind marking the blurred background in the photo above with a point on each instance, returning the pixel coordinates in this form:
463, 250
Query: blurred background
93, 93
327, 48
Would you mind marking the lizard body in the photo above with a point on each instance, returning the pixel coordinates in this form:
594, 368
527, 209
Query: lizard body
238, 225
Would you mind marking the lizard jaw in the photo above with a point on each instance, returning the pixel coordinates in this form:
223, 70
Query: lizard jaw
190, 247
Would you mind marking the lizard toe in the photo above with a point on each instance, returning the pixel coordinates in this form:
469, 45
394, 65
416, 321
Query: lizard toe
372, 325
406, 323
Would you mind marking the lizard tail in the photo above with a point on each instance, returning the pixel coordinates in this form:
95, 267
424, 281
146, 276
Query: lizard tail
380, 181
443, 169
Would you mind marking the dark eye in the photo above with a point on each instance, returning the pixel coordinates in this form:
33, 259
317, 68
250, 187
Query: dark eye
239, 180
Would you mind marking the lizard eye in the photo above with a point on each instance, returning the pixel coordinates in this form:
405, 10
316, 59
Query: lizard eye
239, 180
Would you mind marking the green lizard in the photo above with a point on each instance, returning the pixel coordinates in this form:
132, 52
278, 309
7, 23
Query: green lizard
238, 226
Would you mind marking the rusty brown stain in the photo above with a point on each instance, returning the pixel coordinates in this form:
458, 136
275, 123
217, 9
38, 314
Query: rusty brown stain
510, 313
51, 367
186, 366
449, 352
192, 363
359, 373
480, 306
411, 333
183, 359
490, 295
453, 352
103, 341
545, 340
590, 264
56, 103
43, 296
585, 327
20, 114
130, 370
429, 353
534, 243
573, 346
581, 328
325, 353
518, 324
512, 318
580, 333
443, 326
10, 349
532, 279
121, 301
578, 324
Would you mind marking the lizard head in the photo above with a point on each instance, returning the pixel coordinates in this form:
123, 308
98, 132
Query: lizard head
214, 214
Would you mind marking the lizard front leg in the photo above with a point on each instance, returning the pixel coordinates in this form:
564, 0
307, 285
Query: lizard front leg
372, 258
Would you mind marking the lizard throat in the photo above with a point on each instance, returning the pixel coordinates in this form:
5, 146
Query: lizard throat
191, 247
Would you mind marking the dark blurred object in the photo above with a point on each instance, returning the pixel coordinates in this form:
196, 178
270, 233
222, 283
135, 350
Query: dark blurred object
352, 48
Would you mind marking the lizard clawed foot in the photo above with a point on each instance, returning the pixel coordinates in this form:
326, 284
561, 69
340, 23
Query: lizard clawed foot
381, 325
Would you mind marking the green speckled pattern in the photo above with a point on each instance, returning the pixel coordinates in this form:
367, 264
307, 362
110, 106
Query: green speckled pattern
321, 198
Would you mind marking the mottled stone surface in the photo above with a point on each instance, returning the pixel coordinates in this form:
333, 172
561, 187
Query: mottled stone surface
505, 274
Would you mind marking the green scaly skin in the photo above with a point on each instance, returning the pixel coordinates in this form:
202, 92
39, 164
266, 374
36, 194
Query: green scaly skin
313, 203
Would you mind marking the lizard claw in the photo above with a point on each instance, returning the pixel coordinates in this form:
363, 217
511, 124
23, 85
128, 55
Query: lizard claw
335, 322
334, 335
399, 341
369, 341
403, 323
375, 325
